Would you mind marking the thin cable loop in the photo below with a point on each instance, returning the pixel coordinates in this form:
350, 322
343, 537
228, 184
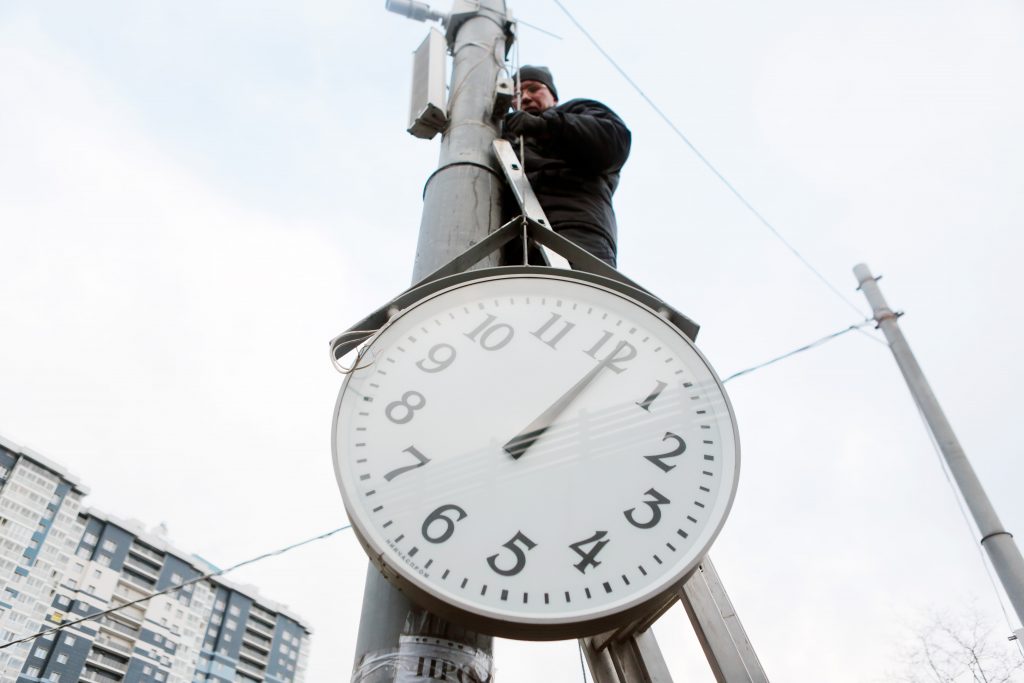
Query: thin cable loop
743, 200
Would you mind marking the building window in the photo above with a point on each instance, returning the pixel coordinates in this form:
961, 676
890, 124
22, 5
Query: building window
90, 538
54, 677
40, 653
69, 640
235, 611
109, 546
62, 658
103, 560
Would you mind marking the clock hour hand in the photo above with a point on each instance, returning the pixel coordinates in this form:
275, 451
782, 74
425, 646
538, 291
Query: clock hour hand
518, 444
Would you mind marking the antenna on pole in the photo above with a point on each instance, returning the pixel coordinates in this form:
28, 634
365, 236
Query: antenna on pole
420, 11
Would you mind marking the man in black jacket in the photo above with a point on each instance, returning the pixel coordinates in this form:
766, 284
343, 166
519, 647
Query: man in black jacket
573, 154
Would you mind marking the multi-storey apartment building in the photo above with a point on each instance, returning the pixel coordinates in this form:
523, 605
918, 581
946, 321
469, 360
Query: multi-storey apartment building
208, 630
39, 531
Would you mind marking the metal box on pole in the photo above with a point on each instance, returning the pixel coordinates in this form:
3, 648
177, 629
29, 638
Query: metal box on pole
427, 113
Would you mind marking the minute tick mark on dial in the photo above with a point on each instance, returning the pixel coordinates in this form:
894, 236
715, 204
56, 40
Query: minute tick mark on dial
387, 524
705, 489
698, 503
657, 559
702, 412
429, 562
567, 598
682, 533
587, 592
670, 547
361, 461
607, 587
378, 508
708, 457
413, 550
464, 582
483, 589
364, 477
625, 580
446, 573
642, 570
504, 594
708, 474
691, 519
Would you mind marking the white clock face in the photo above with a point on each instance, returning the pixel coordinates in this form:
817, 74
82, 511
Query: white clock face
534, 455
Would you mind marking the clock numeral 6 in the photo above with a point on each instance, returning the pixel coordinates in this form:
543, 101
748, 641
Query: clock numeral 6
439, 515
597, 542
518, 552
655, 506
490, 336
678, 450
401, 411
440, 356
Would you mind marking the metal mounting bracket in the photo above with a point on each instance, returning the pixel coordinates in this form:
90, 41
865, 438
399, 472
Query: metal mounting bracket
586, 267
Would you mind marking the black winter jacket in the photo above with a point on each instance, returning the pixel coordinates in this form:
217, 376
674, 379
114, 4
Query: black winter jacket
574, 170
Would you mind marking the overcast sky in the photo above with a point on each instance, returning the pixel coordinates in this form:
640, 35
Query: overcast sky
195, 197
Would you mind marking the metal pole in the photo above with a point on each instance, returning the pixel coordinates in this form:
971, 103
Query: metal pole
1002, 550
399, 641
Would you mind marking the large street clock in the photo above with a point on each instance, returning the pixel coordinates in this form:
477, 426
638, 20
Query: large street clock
534, 455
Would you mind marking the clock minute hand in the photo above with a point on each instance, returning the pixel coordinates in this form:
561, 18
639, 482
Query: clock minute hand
518, 444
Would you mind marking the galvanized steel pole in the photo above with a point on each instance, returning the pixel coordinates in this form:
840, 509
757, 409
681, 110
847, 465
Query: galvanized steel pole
461, 205
1002, 550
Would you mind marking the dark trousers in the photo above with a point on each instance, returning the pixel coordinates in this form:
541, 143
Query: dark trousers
590, 240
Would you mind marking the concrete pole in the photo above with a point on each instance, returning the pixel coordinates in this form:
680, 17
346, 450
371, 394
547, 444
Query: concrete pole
999, 543
461, 204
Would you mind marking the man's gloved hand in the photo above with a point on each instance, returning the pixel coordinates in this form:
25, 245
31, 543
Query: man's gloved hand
526, 124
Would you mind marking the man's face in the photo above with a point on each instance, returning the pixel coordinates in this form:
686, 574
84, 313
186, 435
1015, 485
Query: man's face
536, 97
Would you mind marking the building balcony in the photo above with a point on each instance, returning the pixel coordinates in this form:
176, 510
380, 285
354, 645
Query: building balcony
259, 629
91, 675
255, 658
143, 568
256, 642
250, 671
150, 555
115, 665
118, 646
119, 627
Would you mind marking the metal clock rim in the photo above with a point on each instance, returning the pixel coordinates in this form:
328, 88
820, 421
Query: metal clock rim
532, 628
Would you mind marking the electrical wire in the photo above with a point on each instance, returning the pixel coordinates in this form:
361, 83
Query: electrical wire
707, 162
971, 527
805, 347
175, 587
583, 667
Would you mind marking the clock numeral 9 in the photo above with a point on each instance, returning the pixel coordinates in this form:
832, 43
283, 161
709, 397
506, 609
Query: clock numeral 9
655, 506
678, 450
490, 336
597, 541
439, 515
440, 355
518, 552
401, 411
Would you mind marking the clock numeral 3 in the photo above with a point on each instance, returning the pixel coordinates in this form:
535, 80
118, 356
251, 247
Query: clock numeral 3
678, 450
439, 515
622, 352
557, 337
519, 553
491, 336
401, 411
655, 506
414, 452
440, 356
652, 397
597, 541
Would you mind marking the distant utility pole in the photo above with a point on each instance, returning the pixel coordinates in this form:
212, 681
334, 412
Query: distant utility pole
1002, 550
397, 640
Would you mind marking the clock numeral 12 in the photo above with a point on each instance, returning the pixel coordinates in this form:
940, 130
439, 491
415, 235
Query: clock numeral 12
438, 515
678, 450
562, 331
655, 506
518, 552
598, 541
486, 332
414, 452
623, 352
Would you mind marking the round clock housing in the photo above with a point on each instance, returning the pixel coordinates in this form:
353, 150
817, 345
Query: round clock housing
534, 456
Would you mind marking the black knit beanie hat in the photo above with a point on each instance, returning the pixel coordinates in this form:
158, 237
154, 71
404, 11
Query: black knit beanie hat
541, 74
